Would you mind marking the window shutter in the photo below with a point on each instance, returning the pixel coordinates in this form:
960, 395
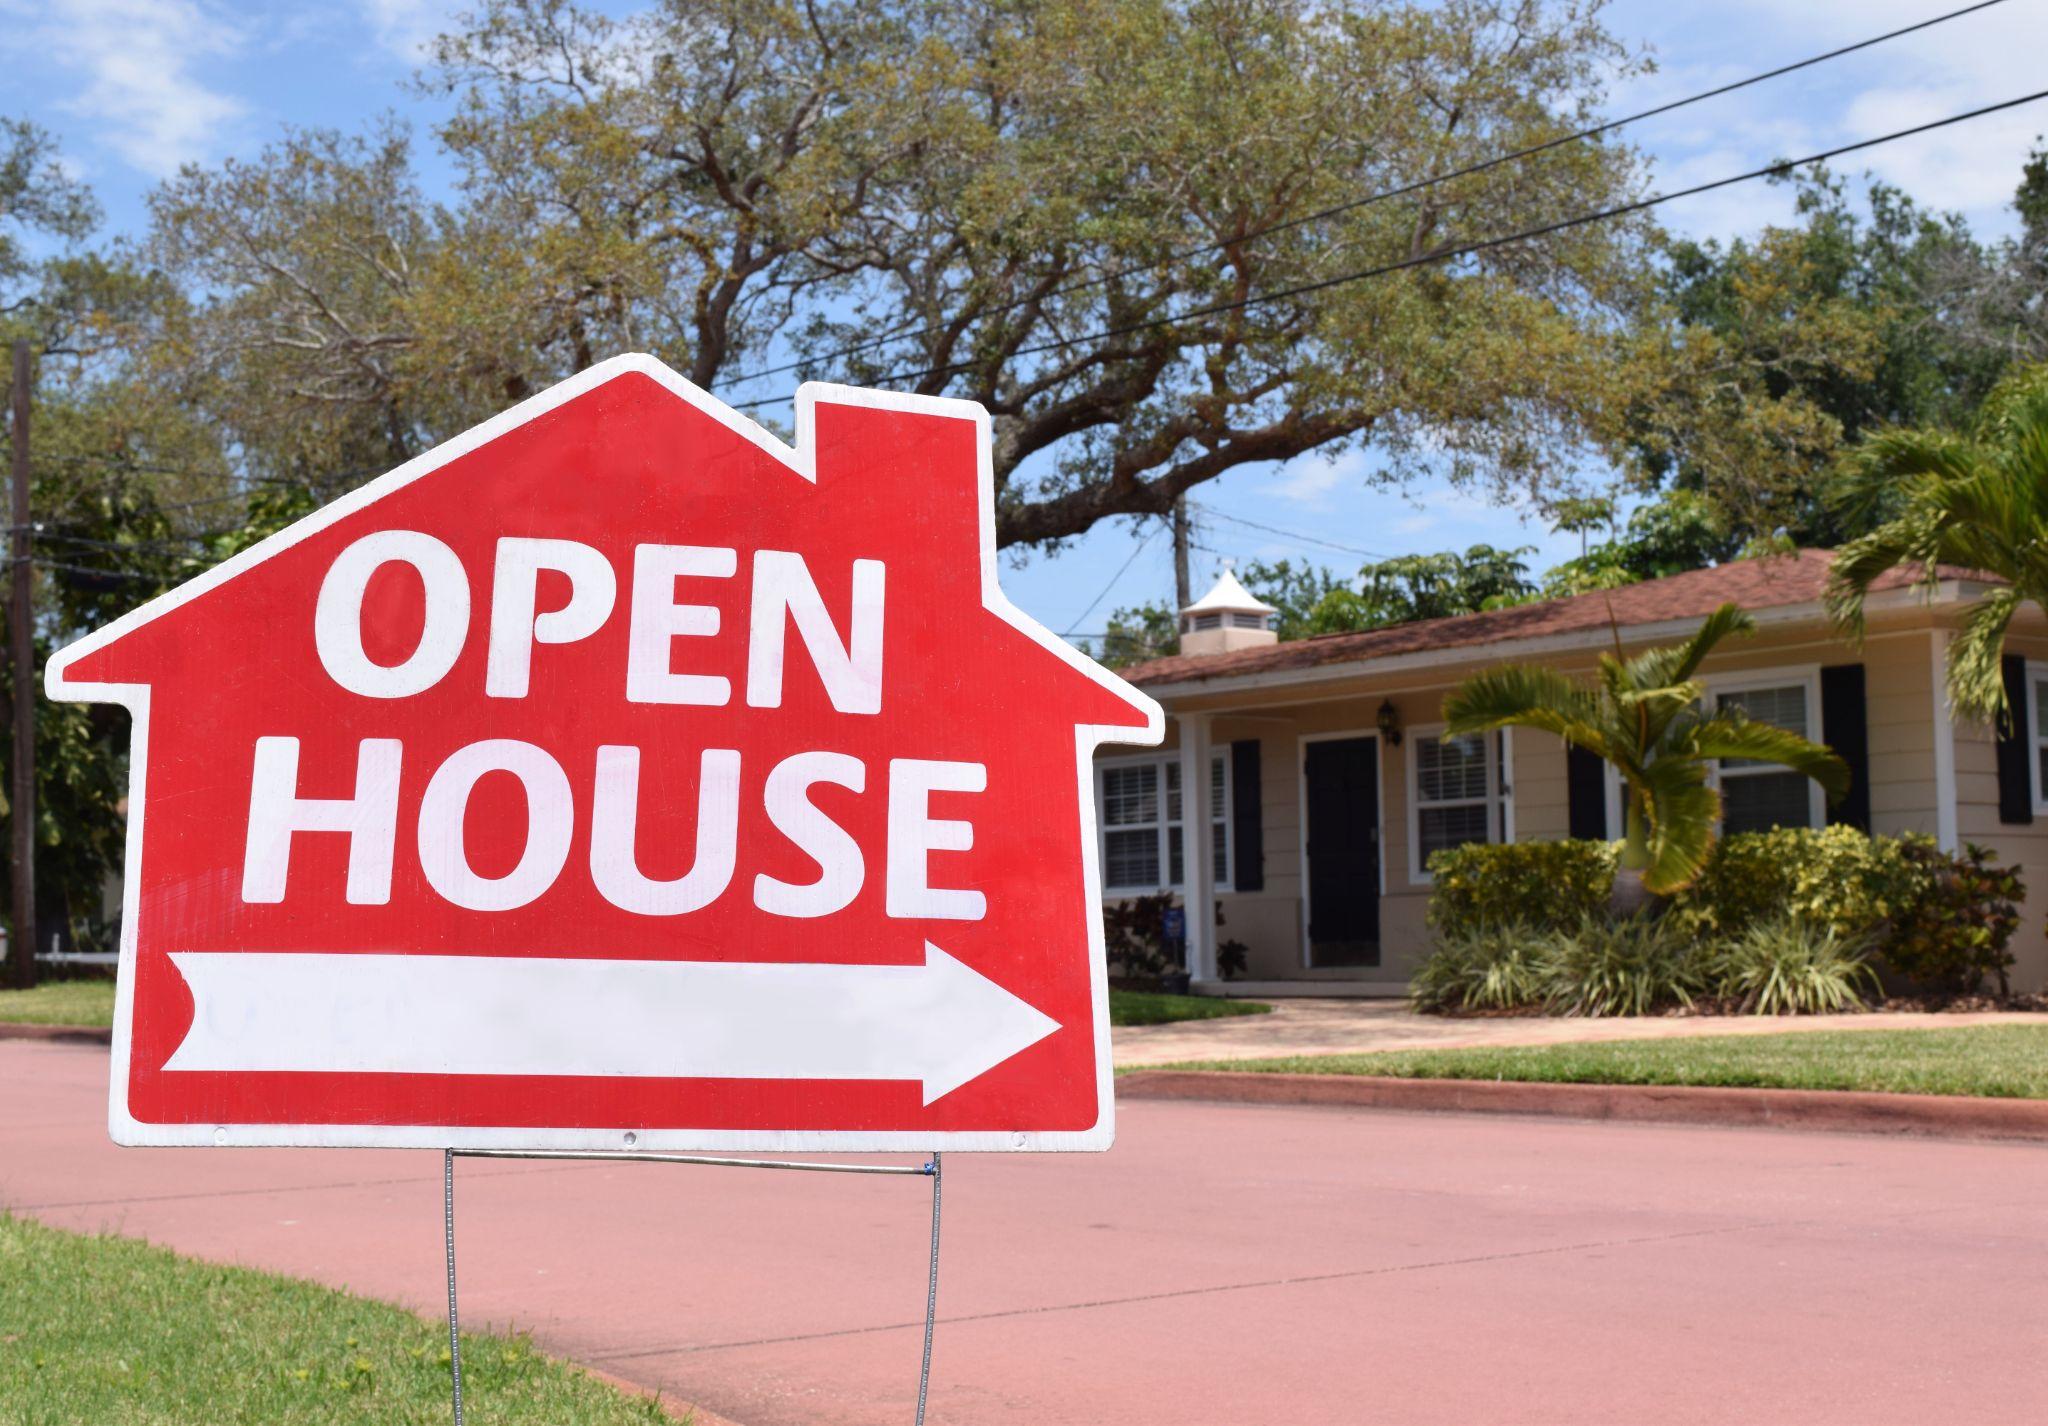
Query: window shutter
1845, 727
1248, 861
2015, 777
1586, 791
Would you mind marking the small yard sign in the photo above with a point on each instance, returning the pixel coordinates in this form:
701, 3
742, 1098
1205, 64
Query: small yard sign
615, 775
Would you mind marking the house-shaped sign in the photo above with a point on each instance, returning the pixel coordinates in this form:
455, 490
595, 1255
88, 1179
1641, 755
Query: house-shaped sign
615, 775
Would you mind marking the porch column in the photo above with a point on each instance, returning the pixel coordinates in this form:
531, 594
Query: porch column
1197, 854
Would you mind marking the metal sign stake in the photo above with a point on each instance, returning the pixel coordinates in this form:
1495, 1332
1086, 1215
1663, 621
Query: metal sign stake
931, 1170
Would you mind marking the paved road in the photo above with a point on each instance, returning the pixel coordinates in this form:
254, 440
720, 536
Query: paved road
1221, 1264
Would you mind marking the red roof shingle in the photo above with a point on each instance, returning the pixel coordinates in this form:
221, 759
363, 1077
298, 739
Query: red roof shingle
1761, 583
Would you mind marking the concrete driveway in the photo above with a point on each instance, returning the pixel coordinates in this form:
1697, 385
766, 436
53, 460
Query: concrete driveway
1335, 1027
1220, 1264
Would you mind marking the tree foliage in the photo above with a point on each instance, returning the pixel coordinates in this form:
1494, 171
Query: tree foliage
1977, 502
1778, 354
1048, 208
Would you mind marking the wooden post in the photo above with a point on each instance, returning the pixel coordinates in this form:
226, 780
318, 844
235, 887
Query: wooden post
21, 635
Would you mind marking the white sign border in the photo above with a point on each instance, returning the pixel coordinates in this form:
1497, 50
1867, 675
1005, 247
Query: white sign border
126, 1129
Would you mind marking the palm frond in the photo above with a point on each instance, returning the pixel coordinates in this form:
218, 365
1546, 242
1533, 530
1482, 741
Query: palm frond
1677, 663
1731, 736
1976, 673
1522, 696
1683, 811
1912, 539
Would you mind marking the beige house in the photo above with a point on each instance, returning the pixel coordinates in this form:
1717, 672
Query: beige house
1304, 784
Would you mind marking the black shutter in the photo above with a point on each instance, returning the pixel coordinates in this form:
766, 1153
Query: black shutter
1585, 776
1248, 858
1845, 727
2015, 775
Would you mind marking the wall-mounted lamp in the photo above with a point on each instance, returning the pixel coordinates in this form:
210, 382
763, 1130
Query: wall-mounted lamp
1390, 723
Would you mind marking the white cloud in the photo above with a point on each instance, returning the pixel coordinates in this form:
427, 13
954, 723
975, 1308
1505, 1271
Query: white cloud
136, 60
1310, 480
408, 28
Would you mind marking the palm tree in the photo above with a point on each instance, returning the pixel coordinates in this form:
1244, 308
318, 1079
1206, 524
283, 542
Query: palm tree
1978, 501
1647, 716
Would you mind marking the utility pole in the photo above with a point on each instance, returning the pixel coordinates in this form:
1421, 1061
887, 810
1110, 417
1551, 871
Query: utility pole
21, 635
1183, 594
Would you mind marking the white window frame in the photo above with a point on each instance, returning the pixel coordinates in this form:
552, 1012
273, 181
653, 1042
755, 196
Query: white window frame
2037, 674
1500, 815
1806, 676
1219, 756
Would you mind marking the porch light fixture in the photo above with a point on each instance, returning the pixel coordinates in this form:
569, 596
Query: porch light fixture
1390, 723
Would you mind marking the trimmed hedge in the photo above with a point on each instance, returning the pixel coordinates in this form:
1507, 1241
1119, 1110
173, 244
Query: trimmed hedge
1547, 885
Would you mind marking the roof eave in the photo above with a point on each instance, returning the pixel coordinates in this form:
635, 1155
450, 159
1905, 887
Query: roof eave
1948, 591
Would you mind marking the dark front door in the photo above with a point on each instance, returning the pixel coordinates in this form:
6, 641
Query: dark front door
1343, 797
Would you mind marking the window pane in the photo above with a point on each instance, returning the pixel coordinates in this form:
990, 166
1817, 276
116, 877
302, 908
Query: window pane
1783, 707
1761, 801
1780, 707
1130, 795
1219, 855
1440, 828
1132, 859
2041, 708
1173, 790
1452, 771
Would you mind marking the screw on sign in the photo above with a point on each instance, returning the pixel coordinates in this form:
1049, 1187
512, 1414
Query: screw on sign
611, 770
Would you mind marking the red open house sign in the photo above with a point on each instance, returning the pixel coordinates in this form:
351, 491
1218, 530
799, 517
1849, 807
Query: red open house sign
617, 774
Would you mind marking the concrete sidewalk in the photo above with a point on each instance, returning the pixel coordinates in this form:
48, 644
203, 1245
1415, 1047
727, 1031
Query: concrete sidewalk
1226, 1264
1340, 1027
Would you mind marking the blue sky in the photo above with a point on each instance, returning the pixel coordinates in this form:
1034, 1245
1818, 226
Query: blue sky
136, 87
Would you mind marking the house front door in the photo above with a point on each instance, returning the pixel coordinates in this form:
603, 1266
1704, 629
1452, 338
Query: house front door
1342, 803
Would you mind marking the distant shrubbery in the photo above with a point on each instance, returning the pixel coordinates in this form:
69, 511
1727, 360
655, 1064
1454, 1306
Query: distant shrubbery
1134, 938
1786, 921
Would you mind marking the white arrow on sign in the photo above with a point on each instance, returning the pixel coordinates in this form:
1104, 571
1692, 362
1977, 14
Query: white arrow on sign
941, 1023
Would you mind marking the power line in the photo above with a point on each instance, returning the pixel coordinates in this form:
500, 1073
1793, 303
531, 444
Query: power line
1481, 245
177, 544
122, 463
1380, 196
40, 563
1212, 511
1121, 570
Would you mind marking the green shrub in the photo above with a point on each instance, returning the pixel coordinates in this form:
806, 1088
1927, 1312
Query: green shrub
1134, 935
1954, 929
1503, 915
1789, 966
1627, 967
1134, 939
1539, 885
1497, 967
1834, 877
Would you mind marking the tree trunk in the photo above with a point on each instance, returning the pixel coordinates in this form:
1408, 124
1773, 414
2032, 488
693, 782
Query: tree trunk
1629, 897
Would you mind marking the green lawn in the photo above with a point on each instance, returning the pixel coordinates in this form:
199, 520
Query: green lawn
91, 1002
60, 1002
118, 1333
1994, 1061
1139, 1007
